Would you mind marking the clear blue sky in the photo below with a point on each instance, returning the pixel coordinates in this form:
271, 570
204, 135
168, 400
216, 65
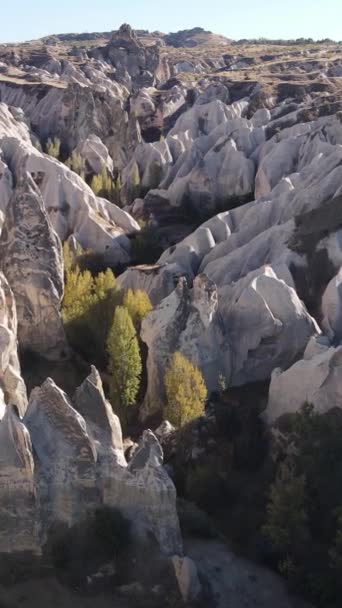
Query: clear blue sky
28, 19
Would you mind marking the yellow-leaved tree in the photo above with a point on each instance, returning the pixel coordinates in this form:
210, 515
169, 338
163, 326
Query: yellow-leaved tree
87, 309
186, 392
138, 305
124, 361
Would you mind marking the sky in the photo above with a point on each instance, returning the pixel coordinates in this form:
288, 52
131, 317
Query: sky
28, 19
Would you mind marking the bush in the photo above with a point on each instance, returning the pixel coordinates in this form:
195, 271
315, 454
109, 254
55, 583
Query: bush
53, 147
76, 163
185, 391
104, 186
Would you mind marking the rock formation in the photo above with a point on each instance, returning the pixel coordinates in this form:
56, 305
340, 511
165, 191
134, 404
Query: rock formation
76, 463
71, 205
11, 382
31, 259
19, 531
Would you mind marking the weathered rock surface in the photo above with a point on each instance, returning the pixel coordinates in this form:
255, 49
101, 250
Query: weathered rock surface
65, 456
31, 259
79, 464
71, 205
187, 577
315, 379
18, 511
239, 331
11, 382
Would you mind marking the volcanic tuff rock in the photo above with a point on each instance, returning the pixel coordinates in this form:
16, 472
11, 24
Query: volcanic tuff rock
18, 511
239, 331
11, 382
31, 258
75, 463
71, 205
315, 379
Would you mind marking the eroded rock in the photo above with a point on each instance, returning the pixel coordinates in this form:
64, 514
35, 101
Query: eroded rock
31, 258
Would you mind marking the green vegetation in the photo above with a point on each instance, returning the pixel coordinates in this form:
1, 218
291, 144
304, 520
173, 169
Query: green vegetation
303, 521
138, 305
186, 392
104, 186
76, 163
53, 147
124, 360
88, 299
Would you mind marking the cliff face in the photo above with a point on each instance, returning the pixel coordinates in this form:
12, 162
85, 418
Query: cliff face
66, 458
31, 259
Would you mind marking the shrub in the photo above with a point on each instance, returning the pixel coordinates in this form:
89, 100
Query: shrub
185, 391
124, 360
286, 523
76, 163
104, 186
53, 147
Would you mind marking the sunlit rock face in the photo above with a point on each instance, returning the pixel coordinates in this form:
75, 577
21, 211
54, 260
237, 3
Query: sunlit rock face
19, 520
31, 258
71, 205
65, 458
11, 383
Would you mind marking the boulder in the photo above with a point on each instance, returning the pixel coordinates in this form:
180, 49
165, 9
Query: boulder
187, 577
31, 259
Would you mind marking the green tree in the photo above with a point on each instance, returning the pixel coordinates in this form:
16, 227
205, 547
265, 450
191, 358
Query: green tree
186, 392
286, 515
124, 360
138, 305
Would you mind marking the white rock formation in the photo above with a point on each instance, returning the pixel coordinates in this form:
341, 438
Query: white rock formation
316, 380
80, 464
71, 205
242, 331
94, 154
31, 259
332, 309
18, 511
11, 382
65, 456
